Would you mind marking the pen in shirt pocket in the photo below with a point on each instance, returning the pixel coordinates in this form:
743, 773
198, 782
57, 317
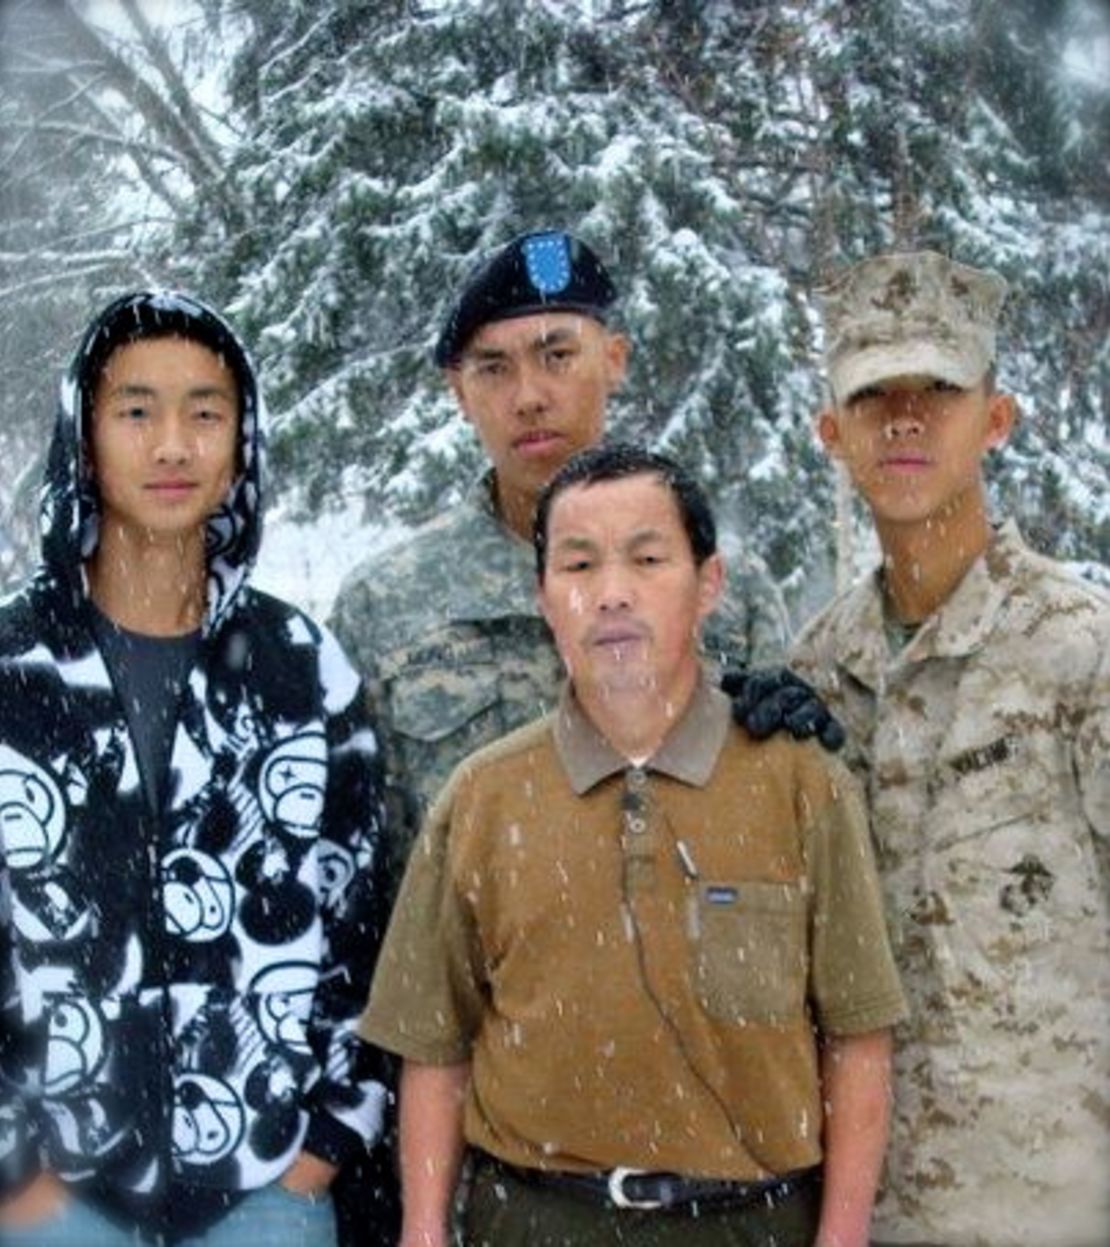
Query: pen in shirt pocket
690, 870
686, 859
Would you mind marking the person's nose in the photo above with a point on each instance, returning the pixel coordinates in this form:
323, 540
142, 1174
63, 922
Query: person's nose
904, 417
172, 441
615, 590
530, 395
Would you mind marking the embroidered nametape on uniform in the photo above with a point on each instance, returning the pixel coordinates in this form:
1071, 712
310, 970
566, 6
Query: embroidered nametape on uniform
984, 756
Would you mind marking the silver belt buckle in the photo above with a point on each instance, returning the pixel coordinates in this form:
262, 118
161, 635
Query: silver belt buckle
620, 1199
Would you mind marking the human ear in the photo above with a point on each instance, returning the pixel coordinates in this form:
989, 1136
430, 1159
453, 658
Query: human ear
1002, 415
828, 431
541, 600
453, 378
711, 584
617, 349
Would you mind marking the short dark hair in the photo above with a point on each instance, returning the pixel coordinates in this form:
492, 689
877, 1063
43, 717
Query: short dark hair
145, 315
613, 461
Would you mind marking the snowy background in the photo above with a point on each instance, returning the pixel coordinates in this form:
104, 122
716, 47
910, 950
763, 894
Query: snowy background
327, 173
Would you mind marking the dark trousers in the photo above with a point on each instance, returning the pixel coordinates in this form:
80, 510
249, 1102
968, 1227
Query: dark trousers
503, 1211
367, 1199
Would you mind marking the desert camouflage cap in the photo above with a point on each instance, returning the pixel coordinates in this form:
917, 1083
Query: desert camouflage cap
910, 314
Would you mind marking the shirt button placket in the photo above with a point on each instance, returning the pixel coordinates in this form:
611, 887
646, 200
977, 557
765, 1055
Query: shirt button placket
637, 841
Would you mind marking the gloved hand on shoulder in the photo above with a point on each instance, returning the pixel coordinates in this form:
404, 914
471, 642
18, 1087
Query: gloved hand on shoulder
773, 699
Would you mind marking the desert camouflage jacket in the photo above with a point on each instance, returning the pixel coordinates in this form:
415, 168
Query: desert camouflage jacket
984, 745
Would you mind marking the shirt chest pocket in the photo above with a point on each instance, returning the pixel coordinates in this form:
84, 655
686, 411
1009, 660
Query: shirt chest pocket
432, 704
750, 964
1007, 779
1011, 855
440, 713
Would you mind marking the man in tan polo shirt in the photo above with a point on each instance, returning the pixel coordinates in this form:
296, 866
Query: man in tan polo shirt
638, 963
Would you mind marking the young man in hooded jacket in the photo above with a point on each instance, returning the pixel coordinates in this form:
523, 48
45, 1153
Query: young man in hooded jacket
189, 828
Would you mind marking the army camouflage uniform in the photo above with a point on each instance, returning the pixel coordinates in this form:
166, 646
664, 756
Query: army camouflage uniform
446, 630
984, 745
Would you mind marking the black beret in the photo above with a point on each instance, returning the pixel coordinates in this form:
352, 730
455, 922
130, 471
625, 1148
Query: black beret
537, 272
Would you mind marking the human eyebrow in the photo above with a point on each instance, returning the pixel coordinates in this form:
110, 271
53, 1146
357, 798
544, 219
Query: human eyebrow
211, 391
483, 355
573, 545
868, 391
650, 546
132, 389
556, 337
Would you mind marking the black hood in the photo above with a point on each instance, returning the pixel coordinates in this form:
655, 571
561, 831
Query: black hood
70, 508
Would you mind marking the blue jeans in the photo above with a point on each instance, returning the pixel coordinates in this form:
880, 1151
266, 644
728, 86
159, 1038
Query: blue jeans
271, 1217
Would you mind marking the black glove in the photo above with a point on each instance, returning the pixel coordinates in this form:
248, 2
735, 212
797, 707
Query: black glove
774, 699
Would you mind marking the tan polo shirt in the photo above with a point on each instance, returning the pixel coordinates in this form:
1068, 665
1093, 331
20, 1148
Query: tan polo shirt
634, 960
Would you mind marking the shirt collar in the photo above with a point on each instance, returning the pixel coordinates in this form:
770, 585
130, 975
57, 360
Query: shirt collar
958, 628
499, 578
688, 753
967, 618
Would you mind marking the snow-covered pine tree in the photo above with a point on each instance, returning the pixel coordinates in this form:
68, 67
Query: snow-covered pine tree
55, 247
383, 166
102, 142
725, 158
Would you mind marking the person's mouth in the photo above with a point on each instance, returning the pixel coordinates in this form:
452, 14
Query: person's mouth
910, 462
616, 636
538, 442
174, 488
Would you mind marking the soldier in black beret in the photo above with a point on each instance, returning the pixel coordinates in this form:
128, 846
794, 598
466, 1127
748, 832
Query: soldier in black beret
445, 624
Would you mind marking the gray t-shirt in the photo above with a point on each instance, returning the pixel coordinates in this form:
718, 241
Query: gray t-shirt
148, 673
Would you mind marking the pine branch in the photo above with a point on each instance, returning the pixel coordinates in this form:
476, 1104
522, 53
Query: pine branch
203, 170
52, 279
19, 225
143, 163
47, 255
87, 134
178, 92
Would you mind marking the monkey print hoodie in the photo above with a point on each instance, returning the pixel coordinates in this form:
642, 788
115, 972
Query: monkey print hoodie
178, 993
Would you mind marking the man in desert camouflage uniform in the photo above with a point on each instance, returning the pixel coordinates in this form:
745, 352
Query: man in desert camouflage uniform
445, 625
973, 678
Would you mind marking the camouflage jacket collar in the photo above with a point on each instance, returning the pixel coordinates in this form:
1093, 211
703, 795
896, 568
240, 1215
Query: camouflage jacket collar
959, 628
501, 578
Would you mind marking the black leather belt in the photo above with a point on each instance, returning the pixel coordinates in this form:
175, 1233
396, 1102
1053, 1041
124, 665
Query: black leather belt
661, 1192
